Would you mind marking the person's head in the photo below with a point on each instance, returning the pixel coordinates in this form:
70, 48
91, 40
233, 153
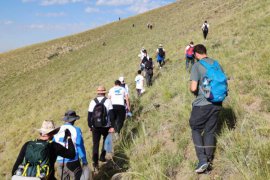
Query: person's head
191, 42
47, 130
101, 91
144, 51
117, 83
205, 21
200, 51
139, 71
122, 79
70, 117
150, 59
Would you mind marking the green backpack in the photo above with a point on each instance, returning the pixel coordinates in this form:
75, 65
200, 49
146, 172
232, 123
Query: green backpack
36, 159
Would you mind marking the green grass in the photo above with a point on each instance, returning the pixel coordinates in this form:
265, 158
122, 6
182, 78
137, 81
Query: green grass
157, 142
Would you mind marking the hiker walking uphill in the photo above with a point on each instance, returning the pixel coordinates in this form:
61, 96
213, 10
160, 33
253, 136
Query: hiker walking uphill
100, 123
139, 80
205, 29
42, 149
209, 84
124, 85
160, 54
149, 66
144, 58
71, 168
118, 95
189, 55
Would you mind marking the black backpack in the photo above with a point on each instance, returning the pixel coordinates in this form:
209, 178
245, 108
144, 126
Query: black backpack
36, 160
148, 65
205, 28
144, 59
99, 117
161, 52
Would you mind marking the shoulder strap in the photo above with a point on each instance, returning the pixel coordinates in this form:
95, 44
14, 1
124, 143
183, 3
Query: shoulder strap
103, 100
204, 64
96, 100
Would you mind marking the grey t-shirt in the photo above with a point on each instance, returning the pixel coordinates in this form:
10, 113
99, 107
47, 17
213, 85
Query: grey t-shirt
197, 73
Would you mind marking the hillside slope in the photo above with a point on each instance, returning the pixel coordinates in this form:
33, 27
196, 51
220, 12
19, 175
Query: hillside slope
42, 81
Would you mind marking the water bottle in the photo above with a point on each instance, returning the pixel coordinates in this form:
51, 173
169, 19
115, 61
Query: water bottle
19, 171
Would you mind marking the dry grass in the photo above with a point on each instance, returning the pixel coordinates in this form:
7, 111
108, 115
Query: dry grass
35, 86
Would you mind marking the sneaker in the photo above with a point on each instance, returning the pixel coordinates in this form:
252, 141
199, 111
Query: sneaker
201, 167
102, 159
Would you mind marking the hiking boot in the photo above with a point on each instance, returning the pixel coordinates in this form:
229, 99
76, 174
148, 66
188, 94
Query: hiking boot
102, 156
201, 167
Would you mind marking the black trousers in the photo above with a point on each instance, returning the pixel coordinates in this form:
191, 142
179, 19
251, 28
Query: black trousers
203, 123
205, 34
119, 112
96, 135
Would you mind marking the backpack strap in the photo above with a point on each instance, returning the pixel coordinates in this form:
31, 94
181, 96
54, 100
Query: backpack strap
96, 100
103, 100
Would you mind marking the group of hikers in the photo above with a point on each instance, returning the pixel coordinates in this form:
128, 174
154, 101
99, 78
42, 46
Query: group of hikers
106, 115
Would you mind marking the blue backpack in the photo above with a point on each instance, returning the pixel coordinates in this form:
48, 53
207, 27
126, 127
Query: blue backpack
214, 83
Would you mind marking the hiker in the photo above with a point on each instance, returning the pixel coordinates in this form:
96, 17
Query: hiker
205, 28
124, 85
149, 66
151, 26
145, 58
118, 95
133, 25
189, 56
160, 54
70, 168
142, 54
139, 79
206, 106
100, 123
31, 152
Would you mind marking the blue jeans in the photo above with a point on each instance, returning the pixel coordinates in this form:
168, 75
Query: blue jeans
203, 123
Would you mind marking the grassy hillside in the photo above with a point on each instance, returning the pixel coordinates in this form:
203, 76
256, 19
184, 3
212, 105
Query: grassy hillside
42, 81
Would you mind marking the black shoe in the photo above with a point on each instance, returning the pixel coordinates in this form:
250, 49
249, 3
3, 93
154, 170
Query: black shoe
102, 159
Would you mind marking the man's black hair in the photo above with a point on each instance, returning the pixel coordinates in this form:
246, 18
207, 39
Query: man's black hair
200, 49
139, 71
117, 82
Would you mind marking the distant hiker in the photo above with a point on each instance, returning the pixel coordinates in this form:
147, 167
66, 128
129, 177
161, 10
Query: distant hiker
133, 25
149, 66
205, 29
148, 25
71, 168
205, 108
139, 80
151, 26
100, 123
145, 58
119, 18
104, 44
160, 54
189, 55
124, 85
143, 53
40, 155
118, 95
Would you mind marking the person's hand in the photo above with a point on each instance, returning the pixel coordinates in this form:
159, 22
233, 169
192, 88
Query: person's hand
111, 130
90, 129
67, 134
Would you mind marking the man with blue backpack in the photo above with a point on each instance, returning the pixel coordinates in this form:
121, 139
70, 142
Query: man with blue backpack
209, 84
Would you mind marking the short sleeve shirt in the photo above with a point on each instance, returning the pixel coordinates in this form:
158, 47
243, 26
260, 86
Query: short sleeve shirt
118, 94
197, 73
139, 81
107, 104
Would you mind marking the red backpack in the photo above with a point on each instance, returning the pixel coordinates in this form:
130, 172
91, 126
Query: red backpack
190, 51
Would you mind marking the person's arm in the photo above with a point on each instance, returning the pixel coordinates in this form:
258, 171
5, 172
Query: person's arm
193, 86
127, 101
90, 113
19, 158
62, 151
80, 147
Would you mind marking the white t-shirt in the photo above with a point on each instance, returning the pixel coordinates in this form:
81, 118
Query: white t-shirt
139, 81
117, 94
107, 104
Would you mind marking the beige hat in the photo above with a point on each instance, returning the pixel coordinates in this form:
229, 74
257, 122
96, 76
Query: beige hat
48, 127
160, 45
101, 89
